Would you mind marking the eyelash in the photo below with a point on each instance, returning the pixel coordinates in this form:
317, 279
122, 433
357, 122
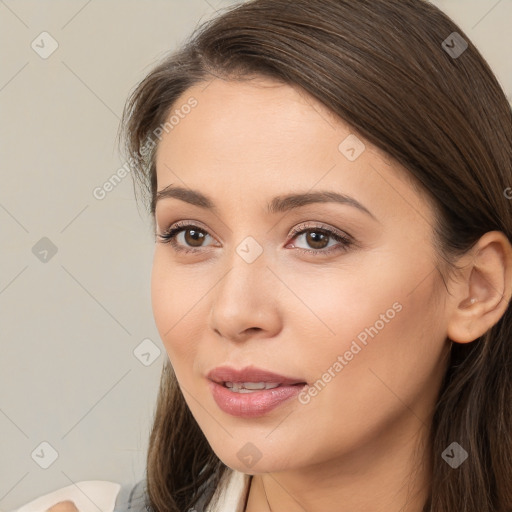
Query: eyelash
169, 237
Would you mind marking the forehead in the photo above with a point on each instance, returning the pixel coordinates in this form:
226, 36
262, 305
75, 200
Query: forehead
260, 135
249, 124
231, 114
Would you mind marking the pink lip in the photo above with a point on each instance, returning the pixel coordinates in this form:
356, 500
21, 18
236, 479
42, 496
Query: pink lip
252, 405
223, 374
257, 403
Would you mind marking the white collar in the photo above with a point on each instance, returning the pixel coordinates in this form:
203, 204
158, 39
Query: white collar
232, 499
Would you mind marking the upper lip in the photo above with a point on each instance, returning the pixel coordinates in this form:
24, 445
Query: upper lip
223, 374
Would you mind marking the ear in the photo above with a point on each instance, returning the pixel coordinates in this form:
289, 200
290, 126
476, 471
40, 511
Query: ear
482, 292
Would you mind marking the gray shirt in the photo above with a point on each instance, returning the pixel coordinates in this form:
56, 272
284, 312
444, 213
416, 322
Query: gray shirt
134, 498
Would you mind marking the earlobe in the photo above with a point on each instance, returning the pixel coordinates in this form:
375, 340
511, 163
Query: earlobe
483, 293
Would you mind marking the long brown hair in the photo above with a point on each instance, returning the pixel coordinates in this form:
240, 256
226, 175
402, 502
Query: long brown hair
394, 71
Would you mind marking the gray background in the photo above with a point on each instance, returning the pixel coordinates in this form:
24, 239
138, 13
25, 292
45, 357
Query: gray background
72, 323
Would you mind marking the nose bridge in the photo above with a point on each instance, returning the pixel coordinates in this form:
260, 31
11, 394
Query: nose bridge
243, 298
246, 273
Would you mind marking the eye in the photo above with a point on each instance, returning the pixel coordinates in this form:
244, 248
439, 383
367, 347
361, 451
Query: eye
188, 238
191, 241
318, 237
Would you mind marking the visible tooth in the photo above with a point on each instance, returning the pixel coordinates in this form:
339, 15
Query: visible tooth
253, 385
245, 387
271, 386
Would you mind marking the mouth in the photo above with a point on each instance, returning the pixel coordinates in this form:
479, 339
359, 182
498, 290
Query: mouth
252, 399
251, 379
252, 387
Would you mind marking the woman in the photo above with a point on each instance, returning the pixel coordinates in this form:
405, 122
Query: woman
330, 188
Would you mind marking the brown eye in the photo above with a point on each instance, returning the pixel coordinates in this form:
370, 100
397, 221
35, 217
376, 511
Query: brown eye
194, 237
191, 241
317, 239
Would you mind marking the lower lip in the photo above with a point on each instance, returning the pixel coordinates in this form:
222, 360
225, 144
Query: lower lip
252, 405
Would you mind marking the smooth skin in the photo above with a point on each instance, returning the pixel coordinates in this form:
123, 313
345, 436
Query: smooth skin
361, 443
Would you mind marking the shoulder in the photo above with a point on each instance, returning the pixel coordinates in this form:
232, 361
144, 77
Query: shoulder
230, 495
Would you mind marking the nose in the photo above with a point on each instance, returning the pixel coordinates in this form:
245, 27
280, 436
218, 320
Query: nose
245, 302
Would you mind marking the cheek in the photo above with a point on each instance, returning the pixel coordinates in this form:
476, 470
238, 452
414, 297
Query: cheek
378, 314
342, 306
175, 309
382, 339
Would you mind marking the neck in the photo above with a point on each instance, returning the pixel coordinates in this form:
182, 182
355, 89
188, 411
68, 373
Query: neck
381, 477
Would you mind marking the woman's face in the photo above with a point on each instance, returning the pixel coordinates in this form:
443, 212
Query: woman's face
358, 318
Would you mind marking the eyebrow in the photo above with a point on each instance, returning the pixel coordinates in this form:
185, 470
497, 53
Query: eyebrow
279, 204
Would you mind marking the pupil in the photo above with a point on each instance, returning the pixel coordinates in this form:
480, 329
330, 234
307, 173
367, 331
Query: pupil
317, 239
196, 236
